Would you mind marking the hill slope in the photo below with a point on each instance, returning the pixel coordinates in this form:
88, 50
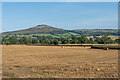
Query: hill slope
52, 32
36, 29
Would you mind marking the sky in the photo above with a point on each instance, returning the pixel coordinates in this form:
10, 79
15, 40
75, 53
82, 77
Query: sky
60, 0
65, 15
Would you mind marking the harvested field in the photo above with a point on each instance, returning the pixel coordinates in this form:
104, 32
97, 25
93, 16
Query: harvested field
58, 62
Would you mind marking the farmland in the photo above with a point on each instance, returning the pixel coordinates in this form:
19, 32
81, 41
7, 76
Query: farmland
21, 61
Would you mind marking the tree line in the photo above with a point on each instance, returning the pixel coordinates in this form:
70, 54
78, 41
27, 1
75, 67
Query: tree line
73, 40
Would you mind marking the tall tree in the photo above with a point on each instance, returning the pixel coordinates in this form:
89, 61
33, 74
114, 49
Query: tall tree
13, 40
105, 38
34, 41
55, 42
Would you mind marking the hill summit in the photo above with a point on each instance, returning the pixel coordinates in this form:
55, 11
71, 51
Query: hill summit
36, 29
43, 26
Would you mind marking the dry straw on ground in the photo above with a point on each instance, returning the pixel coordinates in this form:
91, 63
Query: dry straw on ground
56, 62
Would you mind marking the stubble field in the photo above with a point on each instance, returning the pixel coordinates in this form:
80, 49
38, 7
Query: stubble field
58, 62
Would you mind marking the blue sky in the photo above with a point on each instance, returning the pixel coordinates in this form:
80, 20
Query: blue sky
66, 15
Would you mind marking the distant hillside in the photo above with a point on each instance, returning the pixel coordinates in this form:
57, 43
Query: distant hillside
36, 29
52, 32
96, 32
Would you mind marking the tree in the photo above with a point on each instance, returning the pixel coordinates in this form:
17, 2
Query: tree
51, 41
110, 41
79, 40
5, 41
74, 40
105, 38
45, 41
117, 40
84, 39
24, 40
91, 40
98, 40
55, 42
64, 41
13, 40
34, 41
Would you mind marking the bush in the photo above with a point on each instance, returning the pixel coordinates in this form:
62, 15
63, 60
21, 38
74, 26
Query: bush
105, 46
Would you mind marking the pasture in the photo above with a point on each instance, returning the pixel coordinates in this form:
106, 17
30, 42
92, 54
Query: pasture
21, 61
